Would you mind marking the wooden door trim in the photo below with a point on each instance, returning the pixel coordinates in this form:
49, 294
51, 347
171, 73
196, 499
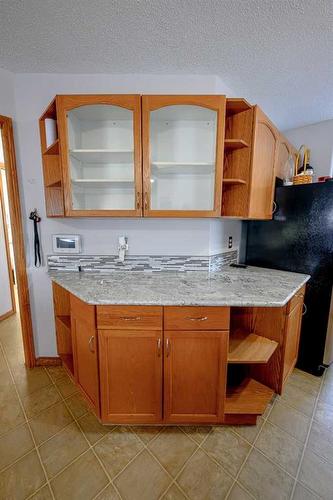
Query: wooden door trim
6, 126
65, 103
154, 102
9, 264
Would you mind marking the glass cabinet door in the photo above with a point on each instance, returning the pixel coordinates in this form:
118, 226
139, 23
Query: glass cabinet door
183, 155
103, 158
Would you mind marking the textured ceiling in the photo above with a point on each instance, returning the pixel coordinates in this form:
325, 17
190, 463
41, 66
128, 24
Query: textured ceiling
278, 53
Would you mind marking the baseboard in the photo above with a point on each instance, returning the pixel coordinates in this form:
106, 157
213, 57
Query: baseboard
48, 361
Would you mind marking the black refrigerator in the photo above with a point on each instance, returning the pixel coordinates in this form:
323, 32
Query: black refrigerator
300, 239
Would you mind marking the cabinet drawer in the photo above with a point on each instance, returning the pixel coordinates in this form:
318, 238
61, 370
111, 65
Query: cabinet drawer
296, 299
129, 317
196, 318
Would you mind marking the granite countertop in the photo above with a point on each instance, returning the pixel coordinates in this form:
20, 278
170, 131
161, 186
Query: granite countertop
252, 286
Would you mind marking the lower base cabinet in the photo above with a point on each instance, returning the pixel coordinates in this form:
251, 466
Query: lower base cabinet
195, 376
130, 375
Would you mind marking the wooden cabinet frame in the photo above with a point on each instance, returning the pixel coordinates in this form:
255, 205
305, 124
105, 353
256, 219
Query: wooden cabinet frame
154, 102
65, 103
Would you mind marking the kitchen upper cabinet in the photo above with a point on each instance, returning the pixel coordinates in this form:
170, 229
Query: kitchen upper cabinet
194, 375
285, 149
100, 149
182, 155
251, 147
83, 328
131, 375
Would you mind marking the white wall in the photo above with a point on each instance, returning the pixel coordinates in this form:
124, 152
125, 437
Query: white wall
7, 103
319, 138
33, 92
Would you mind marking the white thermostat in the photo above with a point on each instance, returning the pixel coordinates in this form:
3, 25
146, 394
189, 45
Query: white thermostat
66, 243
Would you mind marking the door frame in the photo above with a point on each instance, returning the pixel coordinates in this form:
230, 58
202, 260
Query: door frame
6, 126
9, 264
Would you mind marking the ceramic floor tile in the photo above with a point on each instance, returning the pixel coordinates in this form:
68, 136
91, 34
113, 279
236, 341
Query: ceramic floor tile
249, 432
174, 493
22, 479
202, 478
39, 400
66, 386
14, 445
321, 441
143, 479
317, 474
302, 493
83, 479
229, 449
238, 493
264, 480
30, 380
49, 422
324, 414
43, 494
290, 420
108, 494
172, 448
77, 405
280, 447
300, 400
326, 394
62, 449
92, 428
147, 432
198, 433
117, 449
56, 372
305, 381
11, 413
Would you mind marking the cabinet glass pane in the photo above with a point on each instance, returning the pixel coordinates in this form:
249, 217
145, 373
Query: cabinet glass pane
183, 153
101, 155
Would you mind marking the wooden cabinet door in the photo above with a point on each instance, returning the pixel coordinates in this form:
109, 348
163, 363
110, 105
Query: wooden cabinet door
265, 145
291, 342
183, 144
285, 148
131, 375
85, 356
100, 146
194, 376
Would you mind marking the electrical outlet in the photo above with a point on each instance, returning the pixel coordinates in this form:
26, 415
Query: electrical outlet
230, 242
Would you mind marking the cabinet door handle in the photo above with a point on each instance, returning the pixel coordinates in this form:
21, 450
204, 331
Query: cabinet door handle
159, 345
130, 318
305, 309
167, 347
200, 318
138, 200
90, 343
274, 208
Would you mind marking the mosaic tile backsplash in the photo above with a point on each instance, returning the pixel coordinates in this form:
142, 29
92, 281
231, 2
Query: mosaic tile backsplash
147, 263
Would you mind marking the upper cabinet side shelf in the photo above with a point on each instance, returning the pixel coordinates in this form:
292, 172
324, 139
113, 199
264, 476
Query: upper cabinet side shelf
53, 149
231, 144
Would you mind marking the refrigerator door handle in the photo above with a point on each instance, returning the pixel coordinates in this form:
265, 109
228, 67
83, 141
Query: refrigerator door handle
305, 309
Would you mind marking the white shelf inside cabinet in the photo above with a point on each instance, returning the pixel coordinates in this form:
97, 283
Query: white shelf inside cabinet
102, 155
162, 164
101, 182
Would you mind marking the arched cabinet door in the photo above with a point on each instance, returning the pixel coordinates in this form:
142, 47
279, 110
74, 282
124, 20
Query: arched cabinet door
100, 146
183, 143
265, 148
284, 150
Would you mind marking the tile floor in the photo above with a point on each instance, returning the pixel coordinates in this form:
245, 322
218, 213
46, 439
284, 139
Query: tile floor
52, 447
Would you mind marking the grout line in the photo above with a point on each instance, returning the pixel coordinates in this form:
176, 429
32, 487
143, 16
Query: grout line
26, 419
307, 436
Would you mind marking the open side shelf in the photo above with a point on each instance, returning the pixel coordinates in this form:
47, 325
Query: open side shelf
247, 347
233, 181
248, 398
236, 105
65, 320
53, 149
232, 144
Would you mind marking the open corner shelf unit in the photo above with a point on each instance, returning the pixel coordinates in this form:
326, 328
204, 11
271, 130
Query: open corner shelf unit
61, 301
50, 150
237, 158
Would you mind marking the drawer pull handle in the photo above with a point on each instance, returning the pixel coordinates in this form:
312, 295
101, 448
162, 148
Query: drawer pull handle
305, 310
201, 318
159, 345
130, 318
90, 343
167, 347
